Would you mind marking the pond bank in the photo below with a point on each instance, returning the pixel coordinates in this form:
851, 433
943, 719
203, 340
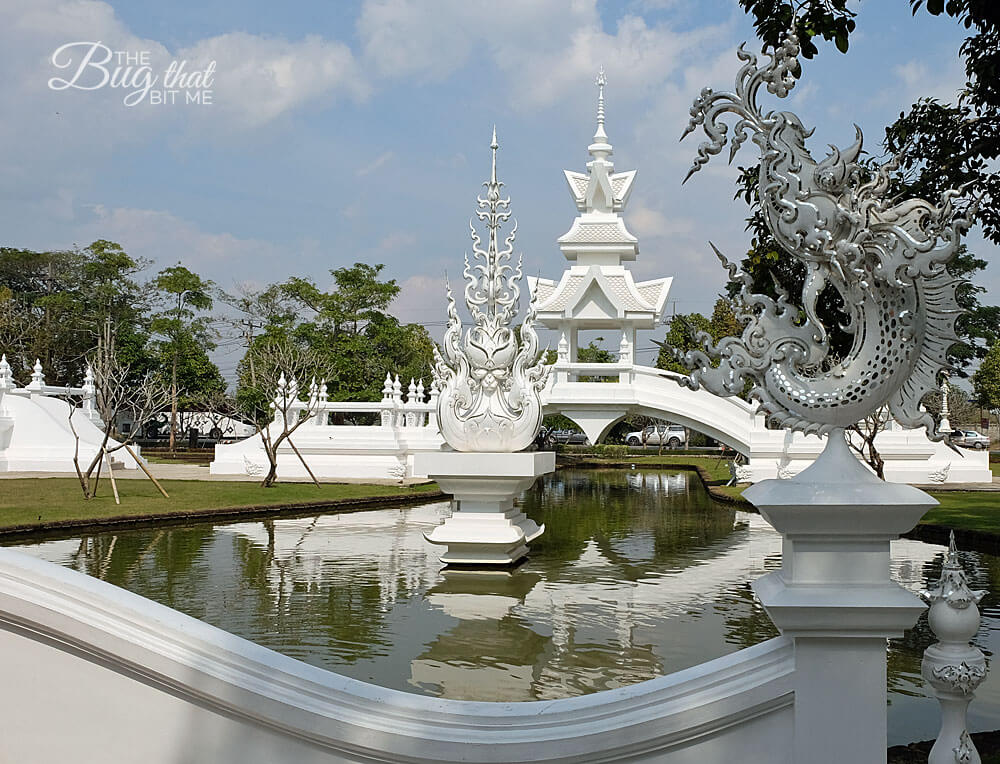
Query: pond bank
38, 507
973, 515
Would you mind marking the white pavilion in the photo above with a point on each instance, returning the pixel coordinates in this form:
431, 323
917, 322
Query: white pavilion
597, 291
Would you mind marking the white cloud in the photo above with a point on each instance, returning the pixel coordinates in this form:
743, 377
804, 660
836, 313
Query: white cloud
421, 301
260, 78
375, 164
165, 238
646, 222
396, 241
918, 81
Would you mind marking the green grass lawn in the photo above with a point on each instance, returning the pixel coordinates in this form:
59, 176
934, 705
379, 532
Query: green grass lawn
969, 510
966, 509
45, 500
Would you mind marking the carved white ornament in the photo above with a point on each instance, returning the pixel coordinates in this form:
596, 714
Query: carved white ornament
886, 258
953, 666
489, 382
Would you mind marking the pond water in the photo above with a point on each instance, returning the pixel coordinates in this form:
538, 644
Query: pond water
638, 574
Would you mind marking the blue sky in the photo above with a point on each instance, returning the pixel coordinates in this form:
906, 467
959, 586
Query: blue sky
346, 131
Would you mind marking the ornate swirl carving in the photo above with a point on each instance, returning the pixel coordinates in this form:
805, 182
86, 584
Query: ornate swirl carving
962, 678
489, 381
887, 259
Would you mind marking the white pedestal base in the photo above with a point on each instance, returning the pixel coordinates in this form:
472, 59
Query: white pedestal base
485, 528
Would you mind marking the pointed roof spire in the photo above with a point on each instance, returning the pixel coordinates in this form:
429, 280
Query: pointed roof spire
493, 147
600, 136
601, 147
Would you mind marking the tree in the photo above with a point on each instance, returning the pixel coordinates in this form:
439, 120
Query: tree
275, 403
683, 331
181, 293
56, 306
117, 392
986, 381
355, 338
861, 438
940, 146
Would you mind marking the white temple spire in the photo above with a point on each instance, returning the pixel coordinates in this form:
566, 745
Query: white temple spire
600, 136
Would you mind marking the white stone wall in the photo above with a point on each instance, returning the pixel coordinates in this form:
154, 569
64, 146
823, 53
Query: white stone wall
91, 671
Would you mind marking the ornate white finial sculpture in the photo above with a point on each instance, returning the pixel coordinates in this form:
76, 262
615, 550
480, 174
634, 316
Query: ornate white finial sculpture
944, 425
886, 258
952, 666
37, 376
6, 376
490, 382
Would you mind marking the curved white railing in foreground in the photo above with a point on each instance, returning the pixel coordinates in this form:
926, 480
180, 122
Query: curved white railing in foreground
92, 672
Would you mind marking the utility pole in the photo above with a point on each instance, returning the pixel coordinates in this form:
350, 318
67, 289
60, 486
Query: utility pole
173, 370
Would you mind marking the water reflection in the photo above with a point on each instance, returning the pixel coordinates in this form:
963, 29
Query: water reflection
639, 574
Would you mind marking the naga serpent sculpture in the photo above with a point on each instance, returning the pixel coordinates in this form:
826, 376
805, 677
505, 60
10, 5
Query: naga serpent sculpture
490, 388
887, 259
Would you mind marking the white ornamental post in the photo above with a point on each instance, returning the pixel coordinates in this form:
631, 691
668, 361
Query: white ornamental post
89, 395
397, 402
421, 399
6, 375
625, 357
322, 417
411, 403
6, 381
432, 414
887, 258
386, 412
945, 423
37, 377
280, 402
489, 407
953, 666
562, 358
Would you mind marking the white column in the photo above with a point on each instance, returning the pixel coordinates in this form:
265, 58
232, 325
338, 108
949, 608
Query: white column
945, 423
411, 403
834, 597
562, 357
953, 666
485, 528
386, 413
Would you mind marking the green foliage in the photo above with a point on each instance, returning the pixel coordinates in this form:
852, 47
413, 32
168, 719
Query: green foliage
57, 306
610, 451
682, 331
986, 380
830, 19
357, 342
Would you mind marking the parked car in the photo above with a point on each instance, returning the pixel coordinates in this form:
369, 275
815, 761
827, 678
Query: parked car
969, 439
567, 437
671, 435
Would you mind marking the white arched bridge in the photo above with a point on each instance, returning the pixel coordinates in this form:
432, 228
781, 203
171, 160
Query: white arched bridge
616, 391
407, 424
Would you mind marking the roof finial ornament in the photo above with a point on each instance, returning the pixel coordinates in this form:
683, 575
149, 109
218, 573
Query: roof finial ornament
493, 173
601, 82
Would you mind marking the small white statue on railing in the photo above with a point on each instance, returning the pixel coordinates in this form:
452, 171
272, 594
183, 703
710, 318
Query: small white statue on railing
489, 381
953, 666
